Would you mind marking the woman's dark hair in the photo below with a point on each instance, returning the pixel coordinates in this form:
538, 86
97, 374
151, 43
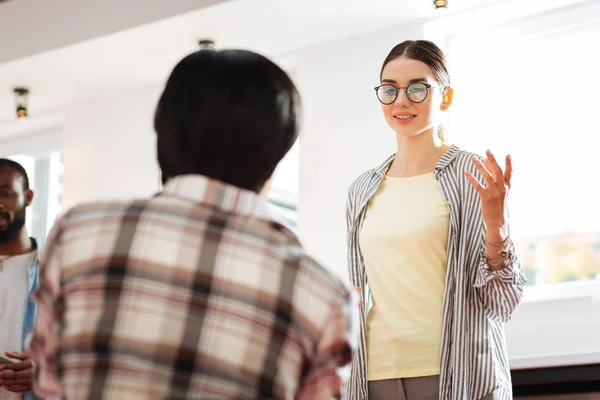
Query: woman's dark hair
229, 115
427, 52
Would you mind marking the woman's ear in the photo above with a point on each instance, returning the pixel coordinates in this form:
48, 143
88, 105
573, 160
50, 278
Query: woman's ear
447, 99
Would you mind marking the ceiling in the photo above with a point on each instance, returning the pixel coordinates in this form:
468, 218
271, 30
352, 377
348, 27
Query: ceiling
31, 26
147, 52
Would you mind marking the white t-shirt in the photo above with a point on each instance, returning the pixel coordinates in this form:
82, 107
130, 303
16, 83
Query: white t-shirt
14, 284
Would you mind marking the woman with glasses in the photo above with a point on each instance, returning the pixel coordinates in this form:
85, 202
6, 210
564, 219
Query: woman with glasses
430, 251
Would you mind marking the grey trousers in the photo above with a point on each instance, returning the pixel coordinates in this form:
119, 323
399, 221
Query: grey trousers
422, 388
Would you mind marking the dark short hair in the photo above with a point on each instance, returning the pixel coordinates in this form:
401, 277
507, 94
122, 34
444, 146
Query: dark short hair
7, 163
230, 115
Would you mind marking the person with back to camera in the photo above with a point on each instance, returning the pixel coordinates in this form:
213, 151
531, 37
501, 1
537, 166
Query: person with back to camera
430, 251
202, 291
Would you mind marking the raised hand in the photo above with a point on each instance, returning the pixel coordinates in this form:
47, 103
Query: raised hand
494, 190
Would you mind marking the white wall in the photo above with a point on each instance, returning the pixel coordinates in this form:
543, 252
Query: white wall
343, 133
555, 332
109, 145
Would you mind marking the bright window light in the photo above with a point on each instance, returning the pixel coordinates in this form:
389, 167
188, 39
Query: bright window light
536, 97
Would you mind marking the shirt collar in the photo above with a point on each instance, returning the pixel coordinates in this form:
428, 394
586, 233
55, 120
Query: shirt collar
228, 198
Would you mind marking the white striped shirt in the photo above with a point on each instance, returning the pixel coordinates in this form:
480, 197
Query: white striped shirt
477, 302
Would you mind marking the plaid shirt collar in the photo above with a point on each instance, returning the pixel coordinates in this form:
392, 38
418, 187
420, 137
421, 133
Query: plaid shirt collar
228, 198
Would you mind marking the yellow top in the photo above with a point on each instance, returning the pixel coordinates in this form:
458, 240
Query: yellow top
403, 242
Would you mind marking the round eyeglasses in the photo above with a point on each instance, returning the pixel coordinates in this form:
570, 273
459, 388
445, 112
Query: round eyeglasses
416, 92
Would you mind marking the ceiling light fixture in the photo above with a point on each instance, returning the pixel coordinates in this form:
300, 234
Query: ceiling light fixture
21, 99
206, 44
441, 6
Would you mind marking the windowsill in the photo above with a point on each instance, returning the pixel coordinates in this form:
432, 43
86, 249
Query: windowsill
555, 360
563, 291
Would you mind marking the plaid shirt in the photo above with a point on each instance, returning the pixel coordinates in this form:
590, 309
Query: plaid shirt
198, 292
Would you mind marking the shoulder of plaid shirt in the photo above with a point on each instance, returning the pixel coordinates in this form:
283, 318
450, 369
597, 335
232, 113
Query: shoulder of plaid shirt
302, 314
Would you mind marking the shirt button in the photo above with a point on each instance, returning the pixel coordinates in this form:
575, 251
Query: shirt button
26, 328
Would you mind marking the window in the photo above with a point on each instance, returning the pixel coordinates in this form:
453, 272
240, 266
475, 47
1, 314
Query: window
534, 93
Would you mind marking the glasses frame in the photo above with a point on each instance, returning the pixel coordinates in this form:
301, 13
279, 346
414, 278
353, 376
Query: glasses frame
427, 87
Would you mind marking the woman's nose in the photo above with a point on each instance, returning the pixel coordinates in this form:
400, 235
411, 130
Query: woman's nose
402, 99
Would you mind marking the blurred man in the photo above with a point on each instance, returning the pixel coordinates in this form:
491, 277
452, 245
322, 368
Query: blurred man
200, 291
18, 278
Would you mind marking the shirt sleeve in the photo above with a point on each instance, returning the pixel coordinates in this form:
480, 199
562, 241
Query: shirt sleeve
329, 370
43, 343
501, 291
